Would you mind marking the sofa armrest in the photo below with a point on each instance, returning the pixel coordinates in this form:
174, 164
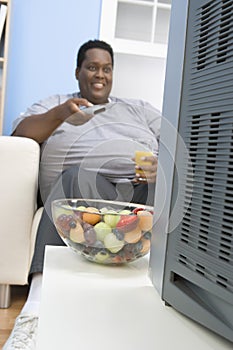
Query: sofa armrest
19, 159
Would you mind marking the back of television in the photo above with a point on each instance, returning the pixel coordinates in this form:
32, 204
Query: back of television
191, 258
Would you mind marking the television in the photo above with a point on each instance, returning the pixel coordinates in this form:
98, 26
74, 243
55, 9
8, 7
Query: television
191, 260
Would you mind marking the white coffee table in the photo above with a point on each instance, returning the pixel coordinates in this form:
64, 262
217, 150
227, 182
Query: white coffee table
86, 306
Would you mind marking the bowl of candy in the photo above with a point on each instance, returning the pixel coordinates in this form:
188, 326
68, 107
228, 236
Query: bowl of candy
105, 232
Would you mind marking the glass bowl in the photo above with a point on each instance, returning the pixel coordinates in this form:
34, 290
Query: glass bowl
105, 232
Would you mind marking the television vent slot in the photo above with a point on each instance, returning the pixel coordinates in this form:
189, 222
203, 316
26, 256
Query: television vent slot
182, 259
222, 281
200, 269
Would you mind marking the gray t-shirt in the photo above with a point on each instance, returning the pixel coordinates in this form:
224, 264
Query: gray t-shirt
105, 144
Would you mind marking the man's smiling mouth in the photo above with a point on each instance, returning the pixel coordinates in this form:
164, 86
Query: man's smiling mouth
98, 85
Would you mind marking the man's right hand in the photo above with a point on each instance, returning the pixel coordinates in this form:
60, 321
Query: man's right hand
79, 116
40, 126
71, 111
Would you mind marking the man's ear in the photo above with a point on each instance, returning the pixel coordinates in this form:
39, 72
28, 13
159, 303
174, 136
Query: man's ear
76, 73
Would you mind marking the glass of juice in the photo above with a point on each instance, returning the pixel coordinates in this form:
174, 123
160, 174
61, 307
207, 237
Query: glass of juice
146, 148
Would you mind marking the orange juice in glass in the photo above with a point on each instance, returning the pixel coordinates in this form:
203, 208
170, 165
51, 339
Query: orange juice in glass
146, 148
140, 162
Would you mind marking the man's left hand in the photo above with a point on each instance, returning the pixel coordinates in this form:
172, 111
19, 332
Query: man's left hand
148, 172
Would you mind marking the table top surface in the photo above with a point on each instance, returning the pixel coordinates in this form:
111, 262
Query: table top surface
90, 306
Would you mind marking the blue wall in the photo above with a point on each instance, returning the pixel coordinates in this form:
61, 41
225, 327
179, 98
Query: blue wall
44, 38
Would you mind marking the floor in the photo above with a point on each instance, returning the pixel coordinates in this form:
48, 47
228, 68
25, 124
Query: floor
8, 316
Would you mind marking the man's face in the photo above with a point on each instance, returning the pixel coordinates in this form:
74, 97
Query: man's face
95, 76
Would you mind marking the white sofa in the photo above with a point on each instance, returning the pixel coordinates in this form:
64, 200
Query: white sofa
19, 217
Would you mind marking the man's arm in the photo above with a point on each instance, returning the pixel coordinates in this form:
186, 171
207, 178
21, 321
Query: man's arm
40, 126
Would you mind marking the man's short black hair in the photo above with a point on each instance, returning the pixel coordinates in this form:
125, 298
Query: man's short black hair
93, 44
